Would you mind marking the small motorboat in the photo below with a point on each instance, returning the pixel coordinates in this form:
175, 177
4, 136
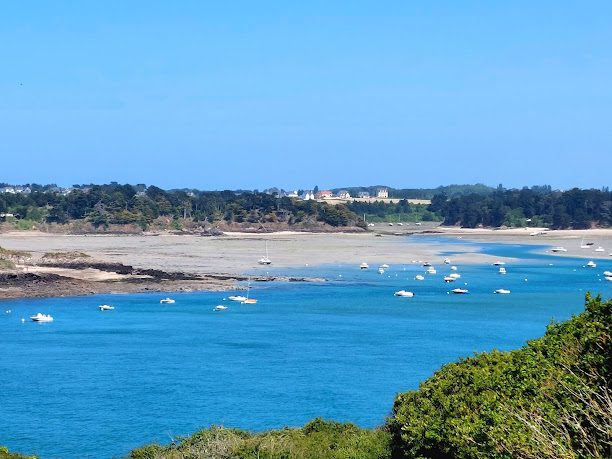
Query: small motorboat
600, 249
455, 275
591, 264
607, 273
106, 307
364, 266
237, 298
41, 317
558, 249
431, 270
449, 279
384, 266
404, 293
502, 291
425, 264
608, 278
460, 291
167, 301
502, 270
249, 301
419, 277
220, 307
447, 261
381, 271
453, 268
499, 263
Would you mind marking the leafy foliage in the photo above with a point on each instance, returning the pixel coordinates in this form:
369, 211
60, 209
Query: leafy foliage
6, 454
575, 208
103, 205
550, 399
318, 439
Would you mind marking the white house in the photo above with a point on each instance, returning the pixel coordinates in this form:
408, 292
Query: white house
382, 193
343, 194
307, 195
364, 194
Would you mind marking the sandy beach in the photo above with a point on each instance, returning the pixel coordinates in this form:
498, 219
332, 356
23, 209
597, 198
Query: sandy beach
191, 262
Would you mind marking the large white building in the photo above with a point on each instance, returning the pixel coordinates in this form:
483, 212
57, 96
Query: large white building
382, 193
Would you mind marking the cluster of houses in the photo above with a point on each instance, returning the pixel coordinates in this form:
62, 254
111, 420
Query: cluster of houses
16, 189
28, 190
308, 195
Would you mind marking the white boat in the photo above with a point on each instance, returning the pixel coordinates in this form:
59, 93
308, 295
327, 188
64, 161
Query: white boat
460, 291
502, 291
499, 263
384, 266
558, 249
42, 317
502, 270
265, 260
599, 249
455, 275
607, 273
220, 307
449, 279
419, 277
609, 278
237, 298
431, 270
591, 264
453, 268
106, 307
381, 270
404, 293
425, 264
167, 301
364, 266
447, 261
248, 300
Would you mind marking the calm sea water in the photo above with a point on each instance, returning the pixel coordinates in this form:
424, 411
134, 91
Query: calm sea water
97, 384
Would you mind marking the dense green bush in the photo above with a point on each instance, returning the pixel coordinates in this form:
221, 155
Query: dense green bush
318, 439
5, 454
550, 399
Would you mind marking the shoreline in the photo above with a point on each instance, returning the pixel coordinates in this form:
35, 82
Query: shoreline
184, 263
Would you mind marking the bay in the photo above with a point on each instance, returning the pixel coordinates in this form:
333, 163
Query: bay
97, 384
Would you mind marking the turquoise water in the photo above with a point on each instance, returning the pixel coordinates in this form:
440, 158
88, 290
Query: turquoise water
97, 384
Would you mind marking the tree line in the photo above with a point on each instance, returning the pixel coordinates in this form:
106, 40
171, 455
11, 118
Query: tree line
538, 207
103, 205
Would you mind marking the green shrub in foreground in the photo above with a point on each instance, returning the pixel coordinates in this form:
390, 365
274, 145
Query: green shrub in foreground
318, 439
551, 399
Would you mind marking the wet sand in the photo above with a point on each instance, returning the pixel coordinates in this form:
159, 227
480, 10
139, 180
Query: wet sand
219, 262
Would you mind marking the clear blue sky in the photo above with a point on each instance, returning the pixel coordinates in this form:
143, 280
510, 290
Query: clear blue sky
253, 94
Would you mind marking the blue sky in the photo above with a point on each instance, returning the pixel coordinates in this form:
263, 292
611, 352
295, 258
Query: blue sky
218, 95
